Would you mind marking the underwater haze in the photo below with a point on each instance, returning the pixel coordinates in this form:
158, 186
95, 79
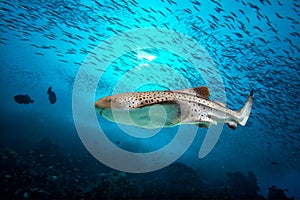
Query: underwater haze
45, 45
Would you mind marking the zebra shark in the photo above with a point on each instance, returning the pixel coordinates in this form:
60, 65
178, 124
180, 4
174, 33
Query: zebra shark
155, 109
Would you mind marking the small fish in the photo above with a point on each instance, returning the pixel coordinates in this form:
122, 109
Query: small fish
188, 106
238, 34
254, 6
256, 27
242, 11
51, 95
279, 3
23, 99
219, 10
279, 16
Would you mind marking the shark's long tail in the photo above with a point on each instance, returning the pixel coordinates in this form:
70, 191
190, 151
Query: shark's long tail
245, 111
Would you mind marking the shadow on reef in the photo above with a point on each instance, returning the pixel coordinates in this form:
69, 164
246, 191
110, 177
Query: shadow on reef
47, 172
113, 185
240, 186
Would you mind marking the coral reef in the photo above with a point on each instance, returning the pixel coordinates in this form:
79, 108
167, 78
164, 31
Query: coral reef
47, 172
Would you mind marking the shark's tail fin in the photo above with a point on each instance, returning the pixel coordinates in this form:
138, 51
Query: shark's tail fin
245, 111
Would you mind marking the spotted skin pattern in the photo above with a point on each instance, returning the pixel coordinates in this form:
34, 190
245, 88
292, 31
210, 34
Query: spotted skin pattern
195, 107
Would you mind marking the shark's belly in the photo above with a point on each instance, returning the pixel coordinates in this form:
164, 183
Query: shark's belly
154, 116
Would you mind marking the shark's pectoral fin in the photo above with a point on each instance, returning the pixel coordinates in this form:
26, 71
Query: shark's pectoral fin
206, 122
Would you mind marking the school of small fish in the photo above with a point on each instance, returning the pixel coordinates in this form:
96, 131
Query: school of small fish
252, 47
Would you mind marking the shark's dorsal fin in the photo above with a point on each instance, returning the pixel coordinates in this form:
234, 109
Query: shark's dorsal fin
203, 91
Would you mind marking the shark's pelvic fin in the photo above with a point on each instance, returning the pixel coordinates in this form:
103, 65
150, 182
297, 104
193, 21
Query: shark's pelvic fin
245, 111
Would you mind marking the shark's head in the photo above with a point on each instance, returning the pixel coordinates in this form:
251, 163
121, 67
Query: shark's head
115, 108
104, 103
125, 101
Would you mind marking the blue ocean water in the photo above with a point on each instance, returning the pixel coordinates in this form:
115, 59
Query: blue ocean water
253, 45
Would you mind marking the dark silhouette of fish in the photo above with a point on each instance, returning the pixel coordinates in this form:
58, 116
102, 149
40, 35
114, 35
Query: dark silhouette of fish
52, 95
23, 99
279, 16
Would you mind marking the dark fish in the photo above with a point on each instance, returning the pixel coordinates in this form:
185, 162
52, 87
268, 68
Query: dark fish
188, 10
263, 40
280, 17
196, 8
155, 10
52, 95
256, 27
248, 20
23, 99
99, 4
262, 2
233, 14
238, 34
295, 34
253, 6
198, 18
196, 3
274, 163
168, 9
173, 2
145, 10
219, 10
151, 18
229, 17
217, 3
162, 13
214, 18
242, 11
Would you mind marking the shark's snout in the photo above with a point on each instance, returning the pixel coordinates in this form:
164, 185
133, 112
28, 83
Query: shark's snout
104, 103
